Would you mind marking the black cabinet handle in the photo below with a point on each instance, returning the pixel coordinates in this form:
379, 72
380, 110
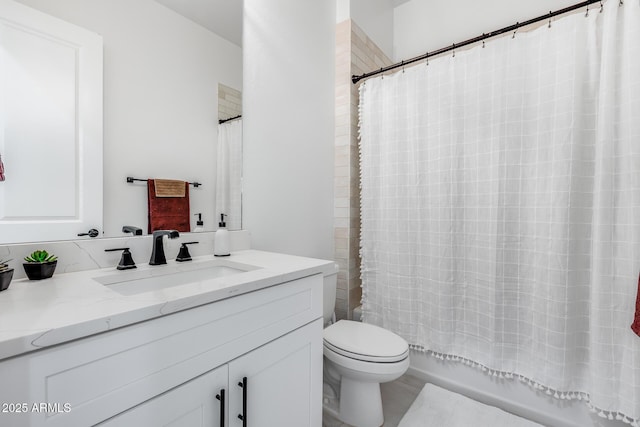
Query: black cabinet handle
220, 397
243, 416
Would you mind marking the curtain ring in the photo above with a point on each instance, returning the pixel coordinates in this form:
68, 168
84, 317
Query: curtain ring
453, 48
402, 63
621, 3
427, 58
549, 19
601, 7
586, 15
514, 33
483, 36
381, 74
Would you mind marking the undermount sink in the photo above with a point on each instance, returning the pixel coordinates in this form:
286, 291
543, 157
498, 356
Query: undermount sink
168, 276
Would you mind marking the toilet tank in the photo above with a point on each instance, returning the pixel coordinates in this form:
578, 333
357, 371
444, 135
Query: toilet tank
329, 295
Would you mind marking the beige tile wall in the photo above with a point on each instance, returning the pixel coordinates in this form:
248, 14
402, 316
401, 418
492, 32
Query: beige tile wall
355, 54
229, 102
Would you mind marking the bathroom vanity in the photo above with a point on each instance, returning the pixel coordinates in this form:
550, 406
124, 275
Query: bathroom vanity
242, 349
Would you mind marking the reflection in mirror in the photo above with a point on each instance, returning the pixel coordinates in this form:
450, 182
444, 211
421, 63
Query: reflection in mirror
229, 157
50, 127
163, 61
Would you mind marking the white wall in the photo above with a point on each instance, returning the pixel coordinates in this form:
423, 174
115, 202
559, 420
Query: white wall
420, 26
375, 18
161, 73
343, 10
289, 49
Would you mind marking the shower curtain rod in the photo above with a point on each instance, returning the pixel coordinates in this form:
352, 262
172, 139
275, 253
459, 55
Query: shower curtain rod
355, 79
229, 119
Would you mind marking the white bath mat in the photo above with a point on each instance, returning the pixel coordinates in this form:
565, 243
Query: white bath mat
437, 407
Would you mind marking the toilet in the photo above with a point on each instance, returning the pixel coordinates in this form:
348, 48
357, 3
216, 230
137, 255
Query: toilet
357, 358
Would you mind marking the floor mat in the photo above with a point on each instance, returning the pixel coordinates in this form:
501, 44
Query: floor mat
437, 407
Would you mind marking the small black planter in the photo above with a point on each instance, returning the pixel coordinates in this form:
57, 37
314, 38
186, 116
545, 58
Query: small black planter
5, 279
39, 271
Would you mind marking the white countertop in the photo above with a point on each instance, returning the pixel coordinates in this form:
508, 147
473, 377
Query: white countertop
43, 313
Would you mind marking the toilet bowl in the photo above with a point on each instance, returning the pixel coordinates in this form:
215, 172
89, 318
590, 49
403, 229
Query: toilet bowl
358, 357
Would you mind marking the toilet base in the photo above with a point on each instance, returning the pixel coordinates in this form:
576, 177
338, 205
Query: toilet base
360, 403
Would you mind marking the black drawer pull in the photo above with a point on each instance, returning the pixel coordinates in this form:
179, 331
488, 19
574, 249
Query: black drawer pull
220, 397
243, 416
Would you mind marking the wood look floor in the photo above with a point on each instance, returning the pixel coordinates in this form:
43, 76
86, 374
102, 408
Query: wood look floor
397, 397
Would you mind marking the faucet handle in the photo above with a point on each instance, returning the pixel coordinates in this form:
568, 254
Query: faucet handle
126, 260
184, 254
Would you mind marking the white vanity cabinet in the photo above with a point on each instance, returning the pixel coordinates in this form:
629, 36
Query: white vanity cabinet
279, 387
192, 404
168, 370
271, 386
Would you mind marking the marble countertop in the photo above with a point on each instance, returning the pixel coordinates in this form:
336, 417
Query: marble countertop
39, 314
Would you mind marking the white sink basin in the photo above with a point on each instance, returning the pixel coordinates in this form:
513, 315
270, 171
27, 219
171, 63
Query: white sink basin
132, 282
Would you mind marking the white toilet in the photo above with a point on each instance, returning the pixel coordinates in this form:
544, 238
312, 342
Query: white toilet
359, 357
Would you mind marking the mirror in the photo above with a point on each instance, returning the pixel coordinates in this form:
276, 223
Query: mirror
161, 71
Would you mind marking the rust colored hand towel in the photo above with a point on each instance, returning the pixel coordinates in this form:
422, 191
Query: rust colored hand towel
636, 322
168, 213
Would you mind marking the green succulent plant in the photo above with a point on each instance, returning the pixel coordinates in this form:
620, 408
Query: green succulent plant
40, 257
4, 264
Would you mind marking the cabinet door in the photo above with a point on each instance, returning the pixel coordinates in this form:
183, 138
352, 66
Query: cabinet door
199, 402
283, 385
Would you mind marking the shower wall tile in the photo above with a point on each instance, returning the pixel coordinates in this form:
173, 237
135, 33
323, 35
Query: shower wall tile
229, 102
355, 54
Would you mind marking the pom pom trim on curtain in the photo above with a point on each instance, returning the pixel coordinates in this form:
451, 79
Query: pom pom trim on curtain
500, 204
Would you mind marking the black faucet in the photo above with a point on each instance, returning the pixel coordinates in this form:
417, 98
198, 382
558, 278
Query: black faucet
131, 229
157, 254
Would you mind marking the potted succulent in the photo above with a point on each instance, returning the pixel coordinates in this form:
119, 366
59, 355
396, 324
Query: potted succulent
6, 274
40, 265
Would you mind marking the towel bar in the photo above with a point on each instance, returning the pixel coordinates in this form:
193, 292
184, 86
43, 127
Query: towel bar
131, 179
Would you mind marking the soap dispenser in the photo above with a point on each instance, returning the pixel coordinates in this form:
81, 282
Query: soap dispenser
221, 240
199, 224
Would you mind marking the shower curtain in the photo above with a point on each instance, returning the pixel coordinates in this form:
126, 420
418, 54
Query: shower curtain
500, 207
229, 174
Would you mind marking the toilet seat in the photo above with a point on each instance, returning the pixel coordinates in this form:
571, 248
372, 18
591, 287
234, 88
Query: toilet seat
365, 342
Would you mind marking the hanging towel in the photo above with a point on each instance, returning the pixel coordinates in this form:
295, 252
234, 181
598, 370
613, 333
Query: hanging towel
636, 322
168, 212
1, 169
169, 188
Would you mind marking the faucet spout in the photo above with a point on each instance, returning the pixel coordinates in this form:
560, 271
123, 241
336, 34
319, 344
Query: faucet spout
157, 253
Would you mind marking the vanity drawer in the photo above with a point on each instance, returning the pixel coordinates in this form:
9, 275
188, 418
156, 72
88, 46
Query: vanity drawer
92, 379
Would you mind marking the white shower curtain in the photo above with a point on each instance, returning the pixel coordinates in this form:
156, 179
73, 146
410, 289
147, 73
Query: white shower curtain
229, 174
500, 207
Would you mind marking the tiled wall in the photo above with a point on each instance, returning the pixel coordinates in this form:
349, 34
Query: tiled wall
229, 102
355, 54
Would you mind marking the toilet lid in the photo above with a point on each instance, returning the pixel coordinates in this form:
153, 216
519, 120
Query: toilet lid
363, 341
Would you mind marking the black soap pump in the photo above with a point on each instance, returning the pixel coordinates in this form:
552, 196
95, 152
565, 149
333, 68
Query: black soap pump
221, 240
199, 224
